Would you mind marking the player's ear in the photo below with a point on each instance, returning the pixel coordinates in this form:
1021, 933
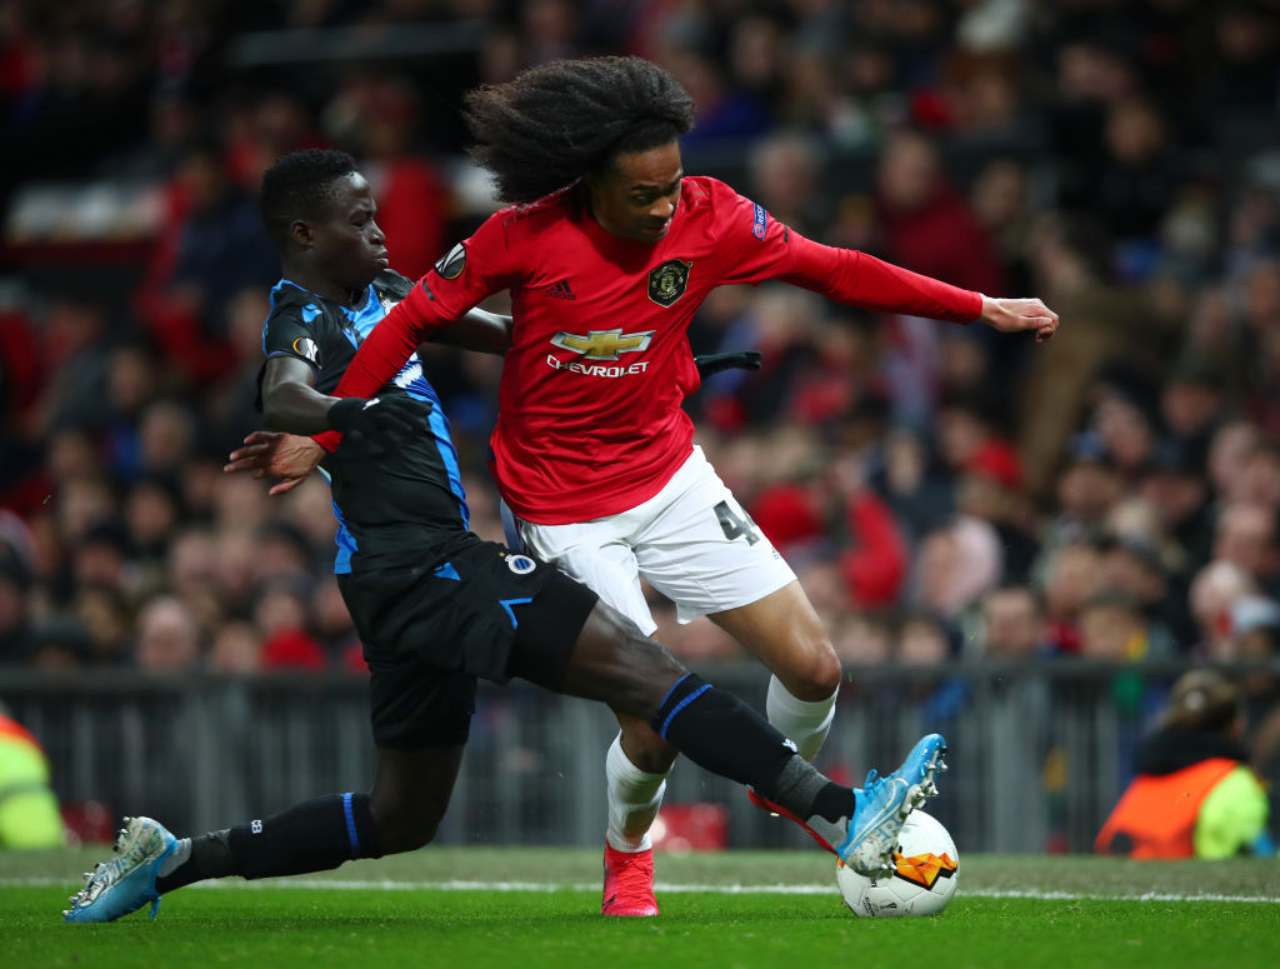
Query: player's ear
301, 235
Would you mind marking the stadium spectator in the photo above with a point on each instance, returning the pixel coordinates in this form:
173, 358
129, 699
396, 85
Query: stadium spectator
1132, 566
236, 649
1214, 593
927, 226
1229, 449
1013, 626
412, 203
863, 640
785, 172
100, 557
61, 644
280, 615
1245, 537
223, 246
924, 642
1071, 578
107, 617
168, 637
1113, 629
1174, 487
957, 565
1088, 488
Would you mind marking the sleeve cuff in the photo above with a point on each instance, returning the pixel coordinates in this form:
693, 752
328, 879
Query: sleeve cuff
329, 440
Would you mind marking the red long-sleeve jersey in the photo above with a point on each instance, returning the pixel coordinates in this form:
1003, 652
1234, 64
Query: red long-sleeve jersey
590, 421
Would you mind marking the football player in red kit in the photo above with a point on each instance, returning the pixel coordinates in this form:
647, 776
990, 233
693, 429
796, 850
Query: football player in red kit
608, 250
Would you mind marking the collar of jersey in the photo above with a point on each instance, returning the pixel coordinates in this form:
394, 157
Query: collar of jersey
353, 314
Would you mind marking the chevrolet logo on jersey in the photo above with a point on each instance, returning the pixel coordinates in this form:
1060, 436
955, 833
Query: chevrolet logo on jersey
603, 344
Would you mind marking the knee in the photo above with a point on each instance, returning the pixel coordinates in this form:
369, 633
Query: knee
815, 672
644, 748
403, 826
643, 673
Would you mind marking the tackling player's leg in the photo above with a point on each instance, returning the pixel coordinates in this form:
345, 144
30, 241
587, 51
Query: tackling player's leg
402, 813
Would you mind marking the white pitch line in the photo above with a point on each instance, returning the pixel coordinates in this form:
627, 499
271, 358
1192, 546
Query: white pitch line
386, 885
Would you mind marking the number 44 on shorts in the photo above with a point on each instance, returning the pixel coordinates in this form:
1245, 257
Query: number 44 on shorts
736, 526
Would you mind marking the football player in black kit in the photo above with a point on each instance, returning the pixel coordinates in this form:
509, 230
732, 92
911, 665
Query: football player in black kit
436, 607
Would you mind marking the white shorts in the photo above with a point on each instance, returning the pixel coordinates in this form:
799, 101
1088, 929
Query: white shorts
691, 541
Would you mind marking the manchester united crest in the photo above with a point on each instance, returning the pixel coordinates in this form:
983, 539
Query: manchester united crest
667, 283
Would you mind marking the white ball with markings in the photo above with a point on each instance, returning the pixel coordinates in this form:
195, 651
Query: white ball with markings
926, 868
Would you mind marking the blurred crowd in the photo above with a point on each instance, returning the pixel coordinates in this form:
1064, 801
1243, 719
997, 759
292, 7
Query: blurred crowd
941, 491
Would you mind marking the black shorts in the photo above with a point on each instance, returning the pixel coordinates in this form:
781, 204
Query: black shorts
479, 611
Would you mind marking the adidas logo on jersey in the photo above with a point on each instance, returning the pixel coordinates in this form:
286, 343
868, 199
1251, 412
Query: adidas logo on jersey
561, 290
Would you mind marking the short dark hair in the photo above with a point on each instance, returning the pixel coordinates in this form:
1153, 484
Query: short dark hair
557, 123
298, 184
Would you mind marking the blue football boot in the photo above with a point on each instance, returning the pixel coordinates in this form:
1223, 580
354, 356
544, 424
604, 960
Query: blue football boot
926, 760
128, 881
883, 805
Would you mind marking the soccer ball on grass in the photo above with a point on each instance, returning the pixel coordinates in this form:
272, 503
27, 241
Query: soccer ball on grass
924, 878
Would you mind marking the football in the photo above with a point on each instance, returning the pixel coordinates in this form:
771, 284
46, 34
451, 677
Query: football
926, 866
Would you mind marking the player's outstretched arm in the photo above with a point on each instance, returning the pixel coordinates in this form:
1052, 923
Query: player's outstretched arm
291, 403
479, 331
758, 248
384, 351
859, 279
474, 270
1018, 315
288, 458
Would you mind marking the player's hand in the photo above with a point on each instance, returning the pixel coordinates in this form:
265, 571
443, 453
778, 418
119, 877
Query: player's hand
712, 363
286, 457
382, 423
1016, 315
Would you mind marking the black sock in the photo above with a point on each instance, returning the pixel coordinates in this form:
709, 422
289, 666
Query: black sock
718, 732
312, 836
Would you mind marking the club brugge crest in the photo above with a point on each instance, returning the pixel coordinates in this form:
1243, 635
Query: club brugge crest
667, 282
521, 564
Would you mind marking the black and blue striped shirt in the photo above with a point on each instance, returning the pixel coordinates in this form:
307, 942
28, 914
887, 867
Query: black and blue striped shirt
391, 511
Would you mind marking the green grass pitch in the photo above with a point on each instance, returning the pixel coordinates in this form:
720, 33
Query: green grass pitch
530, 908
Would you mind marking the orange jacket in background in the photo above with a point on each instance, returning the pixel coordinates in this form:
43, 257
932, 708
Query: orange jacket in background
1158, 813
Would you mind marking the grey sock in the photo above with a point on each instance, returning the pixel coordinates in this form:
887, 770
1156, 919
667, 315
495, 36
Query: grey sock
798, 788
179, 857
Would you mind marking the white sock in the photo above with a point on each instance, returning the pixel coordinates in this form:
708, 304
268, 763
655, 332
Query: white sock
634, 799
181, 852
805, 722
